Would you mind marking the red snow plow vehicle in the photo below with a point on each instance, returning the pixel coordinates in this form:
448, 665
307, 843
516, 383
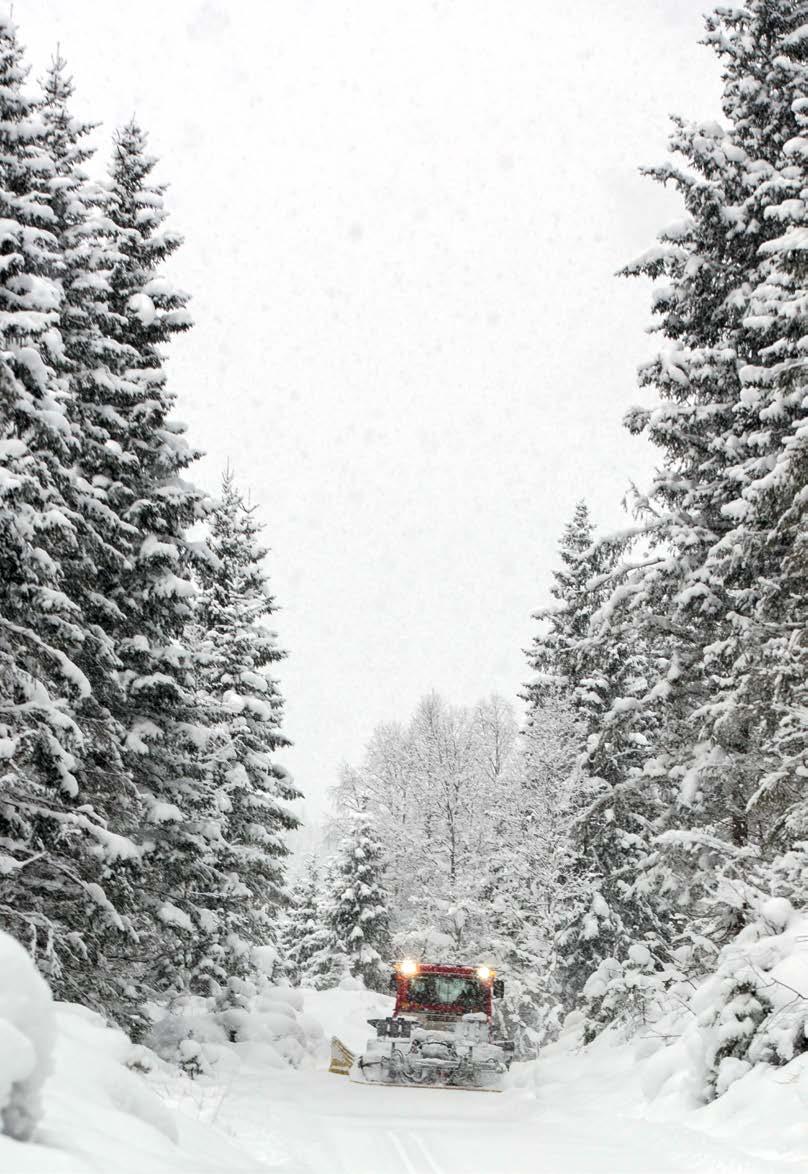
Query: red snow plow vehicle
441, 1032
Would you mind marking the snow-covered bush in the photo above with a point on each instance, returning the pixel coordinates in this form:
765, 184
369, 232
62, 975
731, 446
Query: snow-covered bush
528, 1015
201, 1034
26, 1039
755, 1007
189, 1035
704, 1034
269, 1016
632, 992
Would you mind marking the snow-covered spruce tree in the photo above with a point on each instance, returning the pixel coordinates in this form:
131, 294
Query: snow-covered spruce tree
236, 654
600, 675
712, 549
561, 652
779, 674
329, 964
56, 848
299, 922
764, 555
309, 947
81, 279
102, 536
533, 879
163, 744
358, 912
698, 594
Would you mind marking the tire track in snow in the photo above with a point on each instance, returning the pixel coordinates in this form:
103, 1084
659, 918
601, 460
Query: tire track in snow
423, 1163
420, 1144
400, 1148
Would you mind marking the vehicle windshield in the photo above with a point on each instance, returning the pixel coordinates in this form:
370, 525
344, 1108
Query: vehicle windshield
438, 990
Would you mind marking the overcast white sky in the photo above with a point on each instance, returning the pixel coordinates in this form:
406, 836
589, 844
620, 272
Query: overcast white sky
402, 222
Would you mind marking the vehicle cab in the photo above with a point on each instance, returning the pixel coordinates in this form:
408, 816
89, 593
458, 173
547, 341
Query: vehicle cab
436, 995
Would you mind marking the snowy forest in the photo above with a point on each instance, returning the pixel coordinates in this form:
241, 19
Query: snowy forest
625, 842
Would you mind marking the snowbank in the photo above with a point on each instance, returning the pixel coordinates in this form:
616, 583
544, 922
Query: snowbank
760, 1125
73, 1097
345, 1010
268, 1102
26, 1039
740, 1043
726, 1057
99, 1114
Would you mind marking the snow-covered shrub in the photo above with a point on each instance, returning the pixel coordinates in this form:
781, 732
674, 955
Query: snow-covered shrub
268, 1018
730, 1023
752, 1009
527, 1015
26, 1039
201, 1034
631, 993
755, 1008
189, 1035
273, 1015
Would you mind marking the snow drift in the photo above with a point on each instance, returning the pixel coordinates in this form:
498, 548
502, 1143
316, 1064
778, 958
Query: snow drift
26, 1039
78, 1097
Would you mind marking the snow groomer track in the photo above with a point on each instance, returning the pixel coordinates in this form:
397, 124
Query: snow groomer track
581, 1117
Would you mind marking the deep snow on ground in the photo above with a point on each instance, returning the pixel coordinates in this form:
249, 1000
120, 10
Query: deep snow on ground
571, 1112
102, 1118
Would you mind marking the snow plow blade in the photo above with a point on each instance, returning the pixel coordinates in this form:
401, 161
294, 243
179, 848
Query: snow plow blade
357, 1075
431, 1059
342, 1058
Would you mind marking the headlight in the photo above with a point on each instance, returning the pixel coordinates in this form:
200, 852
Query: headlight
485, 973
408, 967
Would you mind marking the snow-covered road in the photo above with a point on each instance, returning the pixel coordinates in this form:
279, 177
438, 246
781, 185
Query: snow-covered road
566, 1117
328, 1125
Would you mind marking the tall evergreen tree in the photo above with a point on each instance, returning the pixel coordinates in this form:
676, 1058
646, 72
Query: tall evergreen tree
102, 536
359, 915
577, 658
108, 730
56, 847
561, 652
762, 557
237, 654
309, 946
79, 247
154, 593
698, 590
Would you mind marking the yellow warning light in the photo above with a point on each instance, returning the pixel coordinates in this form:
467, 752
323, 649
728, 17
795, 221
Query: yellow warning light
408, 967
484, 973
